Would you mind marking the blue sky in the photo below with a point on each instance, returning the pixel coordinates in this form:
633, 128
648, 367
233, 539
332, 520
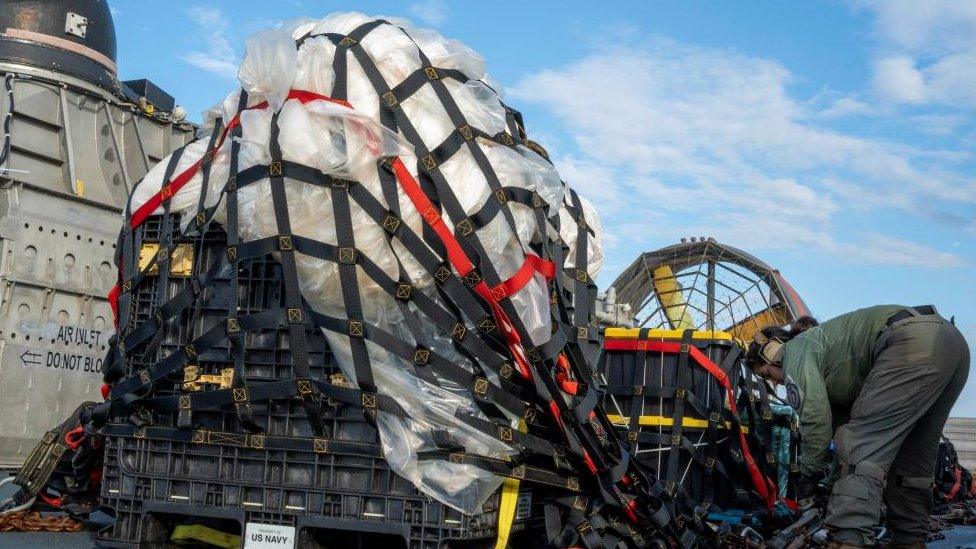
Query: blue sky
835, 140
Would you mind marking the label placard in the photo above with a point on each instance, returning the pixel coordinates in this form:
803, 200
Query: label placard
268, 536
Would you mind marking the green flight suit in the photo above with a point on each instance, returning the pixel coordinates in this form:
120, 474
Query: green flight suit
897, 385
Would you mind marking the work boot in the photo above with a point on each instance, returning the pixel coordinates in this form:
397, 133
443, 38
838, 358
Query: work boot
842, 545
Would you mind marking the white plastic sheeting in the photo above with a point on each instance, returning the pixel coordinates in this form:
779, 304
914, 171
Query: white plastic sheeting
346, 143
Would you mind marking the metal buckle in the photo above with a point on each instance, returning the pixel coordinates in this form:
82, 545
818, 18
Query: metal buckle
369, 401
582, 275
632, 436
421, 356
442, 273
714, 417
457, 458
466, 227
501, 196
507, 139
579, 503
320, 445
530, 414
519, 472
347, 255
304, 386
472, 279
296, 315
505, 434
582, 332
429, 162
233, 326
680, 392
487, 325
710, 462
285, 243
275, 169
390, 99
356, 328
584, 528
240, 394
481, 386
572, 483
232, 253
346, 41
466, 132
459, 331
201, 218
255, 441
391, 223
185, 402
505, 371
675, 440
431, 73
403, 291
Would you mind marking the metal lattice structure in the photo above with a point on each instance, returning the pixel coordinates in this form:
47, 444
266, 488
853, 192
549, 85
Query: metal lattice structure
705, 285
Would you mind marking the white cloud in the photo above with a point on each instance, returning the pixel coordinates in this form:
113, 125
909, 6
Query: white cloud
430, 12
708, 141
927, 50
847, 106
218, 55
896, 79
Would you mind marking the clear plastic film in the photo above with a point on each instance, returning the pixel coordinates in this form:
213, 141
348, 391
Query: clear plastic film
348, 143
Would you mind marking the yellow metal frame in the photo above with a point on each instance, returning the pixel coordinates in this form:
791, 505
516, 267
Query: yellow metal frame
661, 421
666, 335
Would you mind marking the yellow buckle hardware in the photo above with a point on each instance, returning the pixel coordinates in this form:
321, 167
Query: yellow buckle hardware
296, 315
274, 169
457, 458
347, 255
369, 401
346, 41
429, 162
356, 328
421, 356
391, 223
285, 243
466, 227
505, 370
320, 445
459, 332
572, 483
390, 99
505, 433
304, 387
431, 73
466, 132
194, 381
403, 291
481, 386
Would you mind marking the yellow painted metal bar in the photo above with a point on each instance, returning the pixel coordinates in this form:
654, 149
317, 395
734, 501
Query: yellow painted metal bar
665, 335
661, 421
672, 300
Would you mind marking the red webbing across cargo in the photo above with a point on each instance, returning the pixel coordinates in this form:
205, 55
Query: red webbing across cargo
459, 260
175, 184
455, 253
533, 264
167, 190
765, 487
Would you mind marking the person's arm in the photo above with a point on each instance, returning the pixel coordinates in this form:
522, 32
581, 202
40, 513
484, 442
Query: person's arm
802, 366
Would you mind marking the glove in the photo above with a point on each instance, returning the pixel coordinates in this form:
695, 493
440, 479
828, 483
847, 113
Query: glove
809, 486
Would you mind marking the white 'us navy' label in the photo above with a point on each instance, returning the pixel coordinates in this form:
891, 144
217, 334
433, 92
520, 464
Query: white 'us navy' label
268, 536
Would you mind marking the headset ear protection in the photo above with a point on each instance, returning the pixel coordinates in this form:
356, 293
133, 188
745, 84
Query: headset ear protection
770, 349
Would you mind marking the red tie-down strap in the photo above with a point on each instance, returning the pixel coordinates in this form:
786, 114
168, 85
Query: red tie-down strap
462, 264
957, 474
765, 487
173, 186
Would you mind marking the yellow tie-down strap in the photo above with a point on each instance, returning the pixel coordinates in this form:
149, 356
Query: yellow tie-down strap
666, 335
508, 504
661, 421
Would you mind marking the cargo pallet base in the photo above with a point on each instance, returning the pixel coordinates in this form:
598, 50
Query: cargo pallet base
149, 504
339, 492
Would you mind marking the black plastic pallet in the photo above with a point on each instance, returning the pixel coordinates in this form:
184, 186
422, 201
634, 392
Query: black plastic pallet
332, 499
622, 368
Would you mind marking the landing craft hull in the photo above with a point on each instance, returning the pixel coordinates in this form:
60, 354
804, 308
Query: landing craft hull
74, 154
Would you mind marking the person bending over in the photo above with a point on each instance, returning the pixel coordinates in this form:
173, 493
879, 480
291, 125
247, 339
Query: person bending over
880, 381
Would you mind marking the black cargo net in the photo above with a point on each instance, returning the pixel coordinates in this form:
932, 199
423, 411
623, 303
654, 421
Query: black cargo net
600, 497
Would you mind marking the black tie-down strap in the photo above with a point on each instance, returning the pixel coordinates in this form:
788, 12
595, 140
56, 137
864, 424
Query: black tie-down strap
567, 441
60, 472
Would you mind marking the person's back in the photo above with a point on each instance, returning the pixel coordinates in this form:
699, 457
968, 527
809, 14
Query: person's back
844, 347
897, 371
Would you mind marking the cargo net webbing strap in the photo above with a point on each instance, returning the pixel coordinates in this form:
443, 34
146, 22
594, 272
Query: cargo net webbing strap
670, 438
619, 487
764, 486
774, 430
